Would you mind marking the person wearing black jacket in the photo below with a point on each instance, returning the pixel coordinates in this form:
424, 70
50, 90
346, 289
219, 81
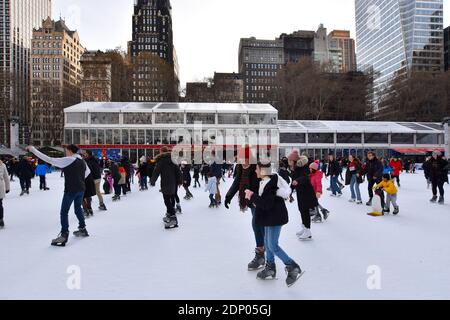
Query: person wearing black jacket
246, 179
374, 175
306, 197
186, 172
196, 176
115, 173
127, 166
96, 172
75, 173
25, 172
170, 181
438, 174
272, 214
334, 171
143, 174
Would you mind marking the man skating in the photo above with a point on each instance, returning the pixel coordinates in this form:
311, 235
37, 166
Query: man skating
75, 172
170, 181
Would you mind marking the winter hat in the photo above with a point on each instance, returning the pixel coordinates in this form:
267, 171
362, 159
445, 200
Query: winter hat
294, 156
266, 169
314, 166
164, 149
437, 153
302, 161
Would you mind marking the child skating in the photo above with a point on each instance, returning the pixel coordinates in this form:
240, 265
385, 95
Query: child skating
211, 188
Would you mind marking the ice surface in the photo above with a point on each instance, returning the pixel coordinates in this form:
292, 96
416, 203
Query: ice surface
130, 256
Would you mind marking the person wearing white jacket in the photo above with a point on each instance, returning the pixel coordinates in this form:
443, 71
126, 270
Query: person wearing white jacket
272, 214
4, 189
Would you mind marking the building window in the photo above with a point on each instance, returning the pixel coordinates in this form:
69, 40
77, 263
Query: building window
104, 118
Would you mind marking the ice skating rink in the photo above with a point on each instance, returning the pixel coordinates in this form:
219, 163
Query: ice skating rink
130, 256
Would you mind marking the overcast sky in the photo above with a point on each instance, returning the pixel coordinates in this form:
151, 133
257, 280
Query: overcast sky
207, 32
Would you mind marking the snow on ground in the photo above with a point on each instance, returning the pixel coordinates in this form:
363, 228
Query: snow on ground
130, 256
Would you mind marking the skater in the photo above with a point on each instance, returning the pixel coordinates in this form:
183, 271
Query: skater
171, 179
205, 171
354, 177
388, 186
316, 176
216, 169
397, 169
186, 171
123, 179
107, 182
438, 173
374, 174
25, 172
306, 197
142, 172
75, 172
117, 177
212, 189
427, 171
96, 172
4, 189
271, 213
88, 194
41, 172
247, 179
196, 176
334, 170
126, 165
12, 168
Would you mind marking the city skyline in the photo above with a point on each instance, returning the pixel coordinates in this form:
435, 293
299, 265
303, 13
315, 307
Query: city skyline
219, 45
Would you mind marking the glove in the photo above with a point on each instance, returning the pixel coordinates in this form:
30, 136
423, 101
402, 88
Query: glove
227, 203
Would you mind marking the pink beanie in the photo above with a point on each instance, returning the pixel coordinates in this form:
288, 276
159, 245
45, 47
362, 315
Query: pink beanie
294, 156
314, 166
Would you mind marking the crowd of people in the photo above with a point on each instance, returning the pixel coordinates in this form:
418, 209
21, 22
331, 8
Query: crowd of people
260, 188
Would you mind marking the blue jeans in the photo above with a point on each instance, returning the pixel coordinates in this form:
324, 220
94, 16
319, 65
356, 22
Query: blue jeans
334, 186
257, 230
77, 200
272, 247
354, 188
143, 182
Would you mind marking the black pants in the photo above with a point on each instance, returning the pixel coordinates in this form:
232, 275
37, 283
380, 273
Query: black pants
306, 217
117, 189
42, 183
437, 184
25, 184
378, 192
169, 201
176, 198
1, 209
188, 192
128, 184
197, 182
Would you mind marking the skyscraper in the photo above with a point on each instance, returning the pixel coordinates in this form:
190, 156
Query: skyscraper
55, 79
397, 37
342, 50
17, 20
152, 52
447, 48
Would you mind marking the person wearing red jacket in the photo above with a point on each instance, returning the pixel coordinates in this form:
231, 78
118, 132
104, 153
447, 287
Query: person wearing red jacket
397, 168
316, 177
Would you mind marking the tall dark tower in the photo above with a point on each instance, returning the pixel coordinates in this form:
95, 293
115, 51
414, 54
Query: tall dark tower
152, 29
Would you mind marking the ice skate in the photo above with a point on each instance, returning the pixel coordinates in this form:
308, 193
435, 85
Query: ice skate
61, 240
317, 218
325, 213
22, 193
352, 200
302, 231
178, 209
171, 222
2, 224
396, 211
306, 236
269, 273
359, 202
369, 203
257, 262
386, 211
441, 200
434, 199
102, 207
312, 212
81, 233
116, 198
294, 273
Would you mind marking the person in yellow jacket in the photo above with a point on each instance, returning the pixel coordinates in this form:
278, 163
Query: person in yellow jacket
391, 193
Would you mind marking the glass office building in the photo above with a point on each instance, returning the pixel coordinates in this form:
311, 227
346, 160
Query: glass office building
398, 37
17, 20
